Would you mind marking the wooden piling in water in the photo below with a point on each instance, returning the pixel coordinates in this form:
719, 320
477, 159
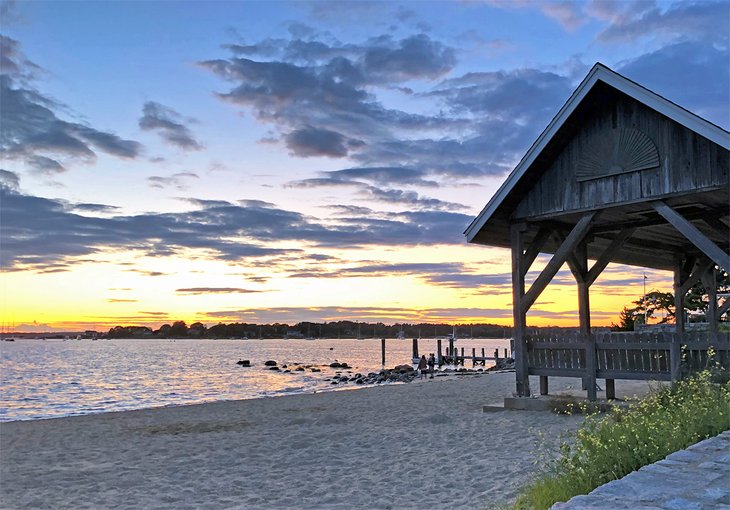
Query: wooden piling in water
438, 348
473, 357
415, 348
382, 350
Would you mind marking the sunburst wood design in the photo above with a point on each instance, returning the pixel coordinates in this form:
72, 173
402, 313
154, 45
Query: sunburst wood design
620, 151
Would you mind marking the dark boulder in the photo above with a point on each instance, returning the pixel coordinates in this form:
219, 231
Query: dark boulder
270, 363
244, 362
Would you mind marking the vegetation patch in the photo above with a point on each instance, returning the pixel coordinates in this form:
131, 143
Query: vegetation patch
608, 447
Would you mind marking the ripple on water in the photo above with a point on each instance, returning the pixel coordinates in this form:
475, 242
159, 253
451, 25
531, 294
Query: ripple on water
41, 379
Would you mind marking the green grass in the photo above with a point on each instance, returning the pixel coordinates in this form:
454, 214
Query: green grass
610, 446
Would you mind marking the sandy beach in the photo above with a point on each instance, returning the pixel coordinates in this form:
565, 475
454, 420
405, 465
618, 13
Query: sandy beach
401, 446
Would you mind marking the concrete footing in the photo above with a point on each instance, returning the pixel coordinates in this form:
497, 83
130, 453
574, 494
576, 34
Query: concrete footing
553, 403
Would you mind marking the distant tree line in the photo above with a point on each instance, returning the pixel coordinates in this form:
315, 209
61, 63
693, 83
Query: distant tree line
338, 329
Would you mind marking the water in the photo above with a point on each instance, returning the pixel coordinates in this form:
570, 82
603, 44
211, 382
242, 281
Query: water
52, 378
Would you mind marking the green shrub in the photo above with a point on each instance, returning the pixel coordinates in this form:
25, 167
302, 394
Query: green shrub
611, 446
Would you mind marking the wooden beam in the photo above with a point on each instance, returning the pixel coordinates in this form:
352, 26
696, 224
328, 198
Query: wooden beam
695, 276
573, 263
519, 315
650, 222
722, 310
534, 249
609, 252
561, 255
692, 233
718, 226
709, 281
680, 275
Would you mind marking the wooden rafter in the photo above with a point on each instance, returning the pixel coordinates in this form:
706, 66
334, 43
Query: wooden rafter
693, 234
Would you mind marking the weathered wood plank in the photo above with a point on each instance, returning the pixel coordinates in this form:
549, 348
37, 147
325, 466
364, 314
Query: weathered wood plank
693, 234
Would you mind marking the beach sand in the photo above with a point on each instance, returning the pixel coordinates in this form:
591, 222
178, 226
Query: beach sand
400, 446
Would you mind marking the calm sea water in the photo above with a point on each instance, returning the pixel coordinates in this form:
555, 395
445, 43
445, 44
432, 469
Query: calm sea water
52, 378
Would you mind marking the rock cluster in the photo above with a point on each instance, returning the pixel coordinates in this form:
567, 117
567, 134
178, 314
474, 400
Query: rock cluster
399, 373
503, 364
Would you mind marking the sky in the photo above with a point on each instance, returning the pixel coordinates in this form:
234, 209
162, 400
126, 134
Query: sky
288, 161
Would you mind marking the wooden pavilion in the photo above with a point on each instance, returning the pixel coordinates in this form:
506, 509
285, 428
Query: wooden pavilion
621, 175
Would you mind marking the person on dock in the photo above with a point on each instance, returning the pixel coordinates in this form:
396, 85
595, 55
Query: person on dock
422, 366
431, 364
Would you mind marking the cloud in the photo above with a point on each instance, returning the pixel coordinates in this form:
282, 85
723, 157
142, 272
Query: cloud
116, 300
382, 175
32, 132
38, 232
630, 22
387, 315
311, 141
169, 124
567, 13
9, 179
675, 70
417, 56
178, 180
215, 290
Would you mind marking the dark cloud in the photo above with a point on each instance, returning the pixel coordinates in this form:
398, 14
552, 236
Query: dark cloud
410, 198
169, 124
215, 290
178, 180
417, 56
675, 71
37, 231
322, 97
32, 132
375, 175
311, 141
94, 208
9, 179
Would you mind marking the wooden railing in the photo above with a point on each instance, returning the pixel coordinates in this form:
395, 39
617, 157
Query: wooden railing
662, 356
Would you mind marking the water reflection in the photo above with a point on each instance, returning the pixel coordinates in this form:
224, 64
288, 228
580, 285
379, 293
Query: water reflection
44, 379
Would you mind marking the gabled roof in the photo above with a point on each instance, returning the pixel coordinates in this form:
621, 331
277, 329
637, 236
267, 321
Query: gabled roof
599, 73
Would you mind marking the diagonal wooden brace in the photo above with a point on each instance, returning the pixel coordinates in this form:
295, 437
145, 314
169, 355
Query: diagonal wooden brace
693, 234
561, 255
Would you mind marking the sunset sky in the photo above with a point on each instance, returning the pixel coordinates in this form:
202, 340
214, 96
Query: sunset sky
286, 161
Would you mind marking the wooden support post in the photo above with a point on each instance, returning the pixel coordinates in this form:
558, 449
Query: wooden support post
584, 314
438, 348
473, 357
450, 351
675, 360
709, 282
382, 350
463, 358
590, 346
610, 389
415, 348
682, 276
505, 353
543, 385
496, 356
519, 313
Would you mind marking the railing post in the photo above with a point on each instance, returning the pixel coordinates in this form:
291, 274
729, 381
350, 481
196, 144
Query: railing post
675, 357
590, 347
